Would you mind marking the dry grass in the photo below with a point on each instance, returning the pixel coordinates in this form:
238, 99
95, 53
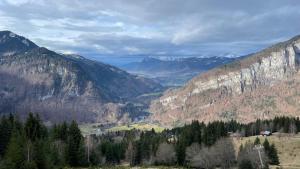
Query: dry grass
288, 147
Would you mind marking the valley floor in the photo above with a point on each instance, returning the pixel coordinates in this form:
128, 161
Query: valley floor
96, 128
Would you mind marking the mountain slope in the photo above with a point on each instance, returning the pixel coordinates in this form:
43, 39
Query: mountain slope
262, 85
64, 87
175, 72
11, 43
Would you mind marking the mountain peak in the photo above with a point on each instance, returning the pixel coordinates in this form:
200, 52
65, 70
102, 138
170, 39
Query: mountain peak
11, 43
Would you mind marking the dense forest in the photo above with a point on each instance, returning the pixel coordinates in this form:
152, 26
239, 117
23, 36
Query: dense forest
30, 144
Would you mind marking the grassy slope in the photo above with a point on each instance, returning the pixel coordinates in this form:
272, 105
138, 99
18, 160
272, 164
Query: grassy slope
288, 149
288, 146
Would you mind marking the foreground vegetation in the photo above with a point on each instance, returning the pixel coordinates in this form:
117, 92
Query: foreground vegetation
31, 145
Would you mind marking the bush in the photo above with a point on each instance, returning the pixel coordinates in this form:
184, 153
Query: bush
245, 164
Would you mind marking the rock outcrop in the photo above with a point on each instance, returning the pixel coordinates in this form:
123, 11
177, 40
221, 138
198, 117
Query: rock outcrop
218, 94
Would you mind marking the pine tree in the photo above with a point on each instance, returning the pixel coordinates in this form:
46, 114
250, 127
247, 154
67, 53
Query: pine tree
33, 131
33, 127
180, 152
6, 127
256, 141
266, 145
14, 157
39, 154
74, 145
273, 156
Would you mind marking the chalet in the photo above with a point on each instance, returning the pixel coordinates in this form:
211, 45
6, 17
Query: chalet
266, 133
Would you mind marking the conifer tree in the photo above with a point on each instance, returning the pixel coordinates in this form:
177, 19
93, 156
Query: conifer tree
74, 145
273, 156
14, 157
256, 141
33, 131
266, 145
180, 152
6, 127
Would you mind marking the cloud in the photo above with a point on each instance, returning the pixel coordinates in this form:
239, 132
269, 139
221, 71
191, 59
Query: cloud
19, 2
154, 27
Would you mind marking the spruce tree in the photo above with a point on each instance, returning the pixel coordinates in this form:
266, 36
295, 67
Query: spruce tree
14, 157
273, 156
33, 128
39, 154
6, 127
33, 131
74, 145
180, 152
266, 145
256, 141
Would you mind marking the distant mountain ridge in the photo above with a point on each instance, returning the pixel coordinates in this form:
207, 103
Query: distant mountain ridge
176, 71
260, 86
63, 87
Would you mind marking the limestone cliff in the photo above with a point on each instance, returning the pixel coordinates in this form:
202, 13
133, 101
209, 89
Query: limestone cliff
220, 93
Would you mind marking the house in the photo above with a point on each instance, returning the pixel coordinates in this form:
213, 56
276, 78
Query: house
266, 133
172, 139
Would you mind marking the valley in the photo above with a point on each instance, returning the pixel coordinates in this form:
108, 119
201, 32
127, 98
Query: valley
149, 84
175, 71
36, 79
134, 120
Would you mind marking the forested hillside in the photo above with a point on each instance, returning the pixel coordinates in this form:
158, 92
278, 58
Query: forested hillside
32, 145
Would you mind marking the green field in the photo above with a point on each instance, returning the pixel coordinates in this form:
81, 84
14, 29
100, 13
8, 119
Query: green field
94, 128
140, 126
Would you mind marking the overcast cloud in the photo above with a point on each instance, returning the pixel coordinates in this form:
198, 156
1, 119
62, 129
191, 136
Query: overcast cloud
152, 27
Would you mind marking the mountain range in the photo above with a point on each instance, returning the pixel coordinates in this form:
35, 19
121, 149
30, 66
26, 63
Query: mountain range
175, 72
64, 87
261, 86
71, 87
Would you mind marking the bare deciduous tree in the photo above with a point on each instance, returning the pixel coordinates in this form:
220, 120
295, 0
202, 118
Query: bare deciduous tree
292, 128
225, 152
192, 151
249, 153
129, 154
165, 154
221, 154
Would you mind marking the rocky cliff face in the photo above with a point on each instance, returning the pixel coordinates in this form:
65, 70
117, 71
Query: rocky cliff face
218, 94
63, 87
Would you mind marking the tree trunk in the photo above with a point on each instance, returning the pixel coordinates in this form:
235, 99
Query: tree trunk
28, 151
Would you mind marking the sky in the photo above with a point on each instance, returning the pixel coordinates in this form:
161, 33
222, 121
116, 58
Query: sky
110, 29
